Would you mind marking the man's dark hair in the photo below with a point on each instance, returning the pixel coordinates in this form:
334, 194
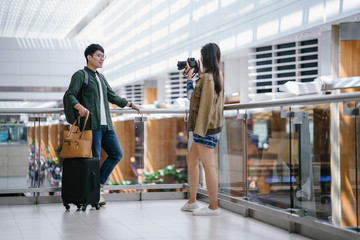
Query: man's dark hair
91, 49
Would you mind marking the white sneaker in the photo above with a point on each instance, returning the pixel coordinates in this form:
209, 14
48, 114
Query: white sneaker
206, 212
190, 207
102, 201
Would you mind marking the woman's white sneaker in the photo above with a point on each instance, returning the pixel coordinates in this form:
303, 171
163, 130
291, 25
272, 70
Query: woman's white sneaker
206, 212
190, 207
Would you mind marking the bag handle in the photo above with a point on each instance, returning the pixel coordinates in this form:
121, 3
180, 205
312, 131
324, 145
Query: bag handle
77, 122
86, 119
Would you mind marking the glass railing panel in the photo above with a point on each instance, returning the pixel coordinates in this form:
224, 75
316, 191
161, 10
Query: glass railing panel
13, 154
24, 162
12, 133
230, 154
289, 159
268, 158
356, 182
349, 169
312, 174
44, 162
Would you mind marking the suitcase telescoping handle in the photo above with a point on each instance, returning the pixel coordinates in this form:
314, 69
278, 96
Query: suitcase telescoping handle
93, 174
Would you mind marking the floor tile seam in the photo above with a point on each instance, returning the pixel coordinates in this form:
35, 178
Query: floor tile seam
16, 222
116, 220
53, 226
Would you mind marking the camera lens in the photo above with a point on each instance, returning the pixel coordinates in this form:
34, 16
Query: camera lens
181, 65
192, 64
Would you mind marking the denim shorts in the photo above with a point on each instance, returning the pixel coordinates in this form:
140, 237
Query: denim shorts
209, 141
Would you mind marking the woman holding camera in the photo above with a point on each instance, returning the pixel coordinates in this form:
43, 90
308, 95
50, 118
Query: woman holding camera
205, 121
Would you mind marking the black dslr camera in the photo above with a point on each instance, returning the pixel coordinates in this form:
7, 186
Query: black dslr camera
192, 63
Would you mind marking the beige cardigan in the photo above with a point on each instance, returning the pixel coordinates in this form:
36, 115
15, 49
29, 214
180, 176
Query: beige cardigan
206, 115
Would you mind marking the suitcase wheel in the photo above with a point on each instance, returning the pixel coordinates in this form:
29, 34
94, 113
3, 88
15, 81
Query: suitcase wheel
78, 206
67, 206
96, 206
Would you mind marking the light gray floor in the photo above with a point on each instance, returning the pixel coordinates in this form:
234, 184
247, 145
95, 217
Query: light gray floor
148, 220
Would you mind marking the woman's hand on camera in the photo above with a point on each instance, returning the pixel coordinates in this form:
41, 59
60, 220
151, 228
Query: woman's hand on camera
189, 71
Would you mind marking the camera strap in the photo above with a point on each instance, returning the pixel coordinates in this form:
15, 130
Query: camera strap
186, 72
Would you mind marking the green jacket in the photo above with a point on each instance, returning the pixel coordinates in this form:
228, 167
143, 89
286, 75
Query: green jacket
206, 115
91, 99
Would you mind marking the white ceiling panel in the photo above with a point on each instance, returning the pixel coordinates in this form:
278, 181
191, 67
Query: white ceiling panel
42, 18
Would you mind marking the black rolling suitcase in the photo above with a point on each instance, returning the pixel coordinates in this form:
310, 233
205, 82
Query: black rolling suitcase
81, 182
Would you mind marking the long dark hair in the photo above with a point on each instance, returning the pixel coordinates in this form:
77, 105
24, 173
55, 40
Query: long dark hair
211, 60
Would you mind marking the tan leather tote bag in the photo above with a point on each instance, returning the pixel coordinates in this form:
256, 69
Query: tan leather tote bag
76, 143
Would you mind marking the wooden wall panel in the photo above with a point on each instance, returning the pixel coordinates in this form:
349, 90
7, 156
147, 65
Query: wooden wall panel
53, 140
349, 67
161, 143
35, 137
349, 59
44, 141
30, 139
150, 95
30, 134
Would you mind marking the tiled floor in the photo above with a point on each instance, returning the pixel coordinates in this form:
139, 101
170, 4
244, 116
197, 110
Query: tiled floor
148, 220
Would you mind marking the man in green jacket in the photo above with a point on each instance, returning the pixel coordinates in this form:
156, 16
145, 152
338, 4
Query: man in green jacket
95, 99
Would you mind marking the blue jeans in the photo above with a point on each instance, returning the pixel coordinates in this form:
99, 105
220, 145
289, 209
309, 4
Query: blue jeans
106, 139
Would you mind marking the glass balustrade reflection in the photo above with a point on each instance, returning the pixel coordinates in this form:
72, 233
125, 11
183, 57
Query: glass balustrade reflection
311, 138
12, 133
43, 143
355, 182
13, 151
287, 156
268, 158
349, 167
230, 154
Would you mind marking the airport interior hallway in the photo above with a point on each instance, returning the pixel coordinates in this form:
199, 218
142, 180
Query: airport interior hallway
134, 220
